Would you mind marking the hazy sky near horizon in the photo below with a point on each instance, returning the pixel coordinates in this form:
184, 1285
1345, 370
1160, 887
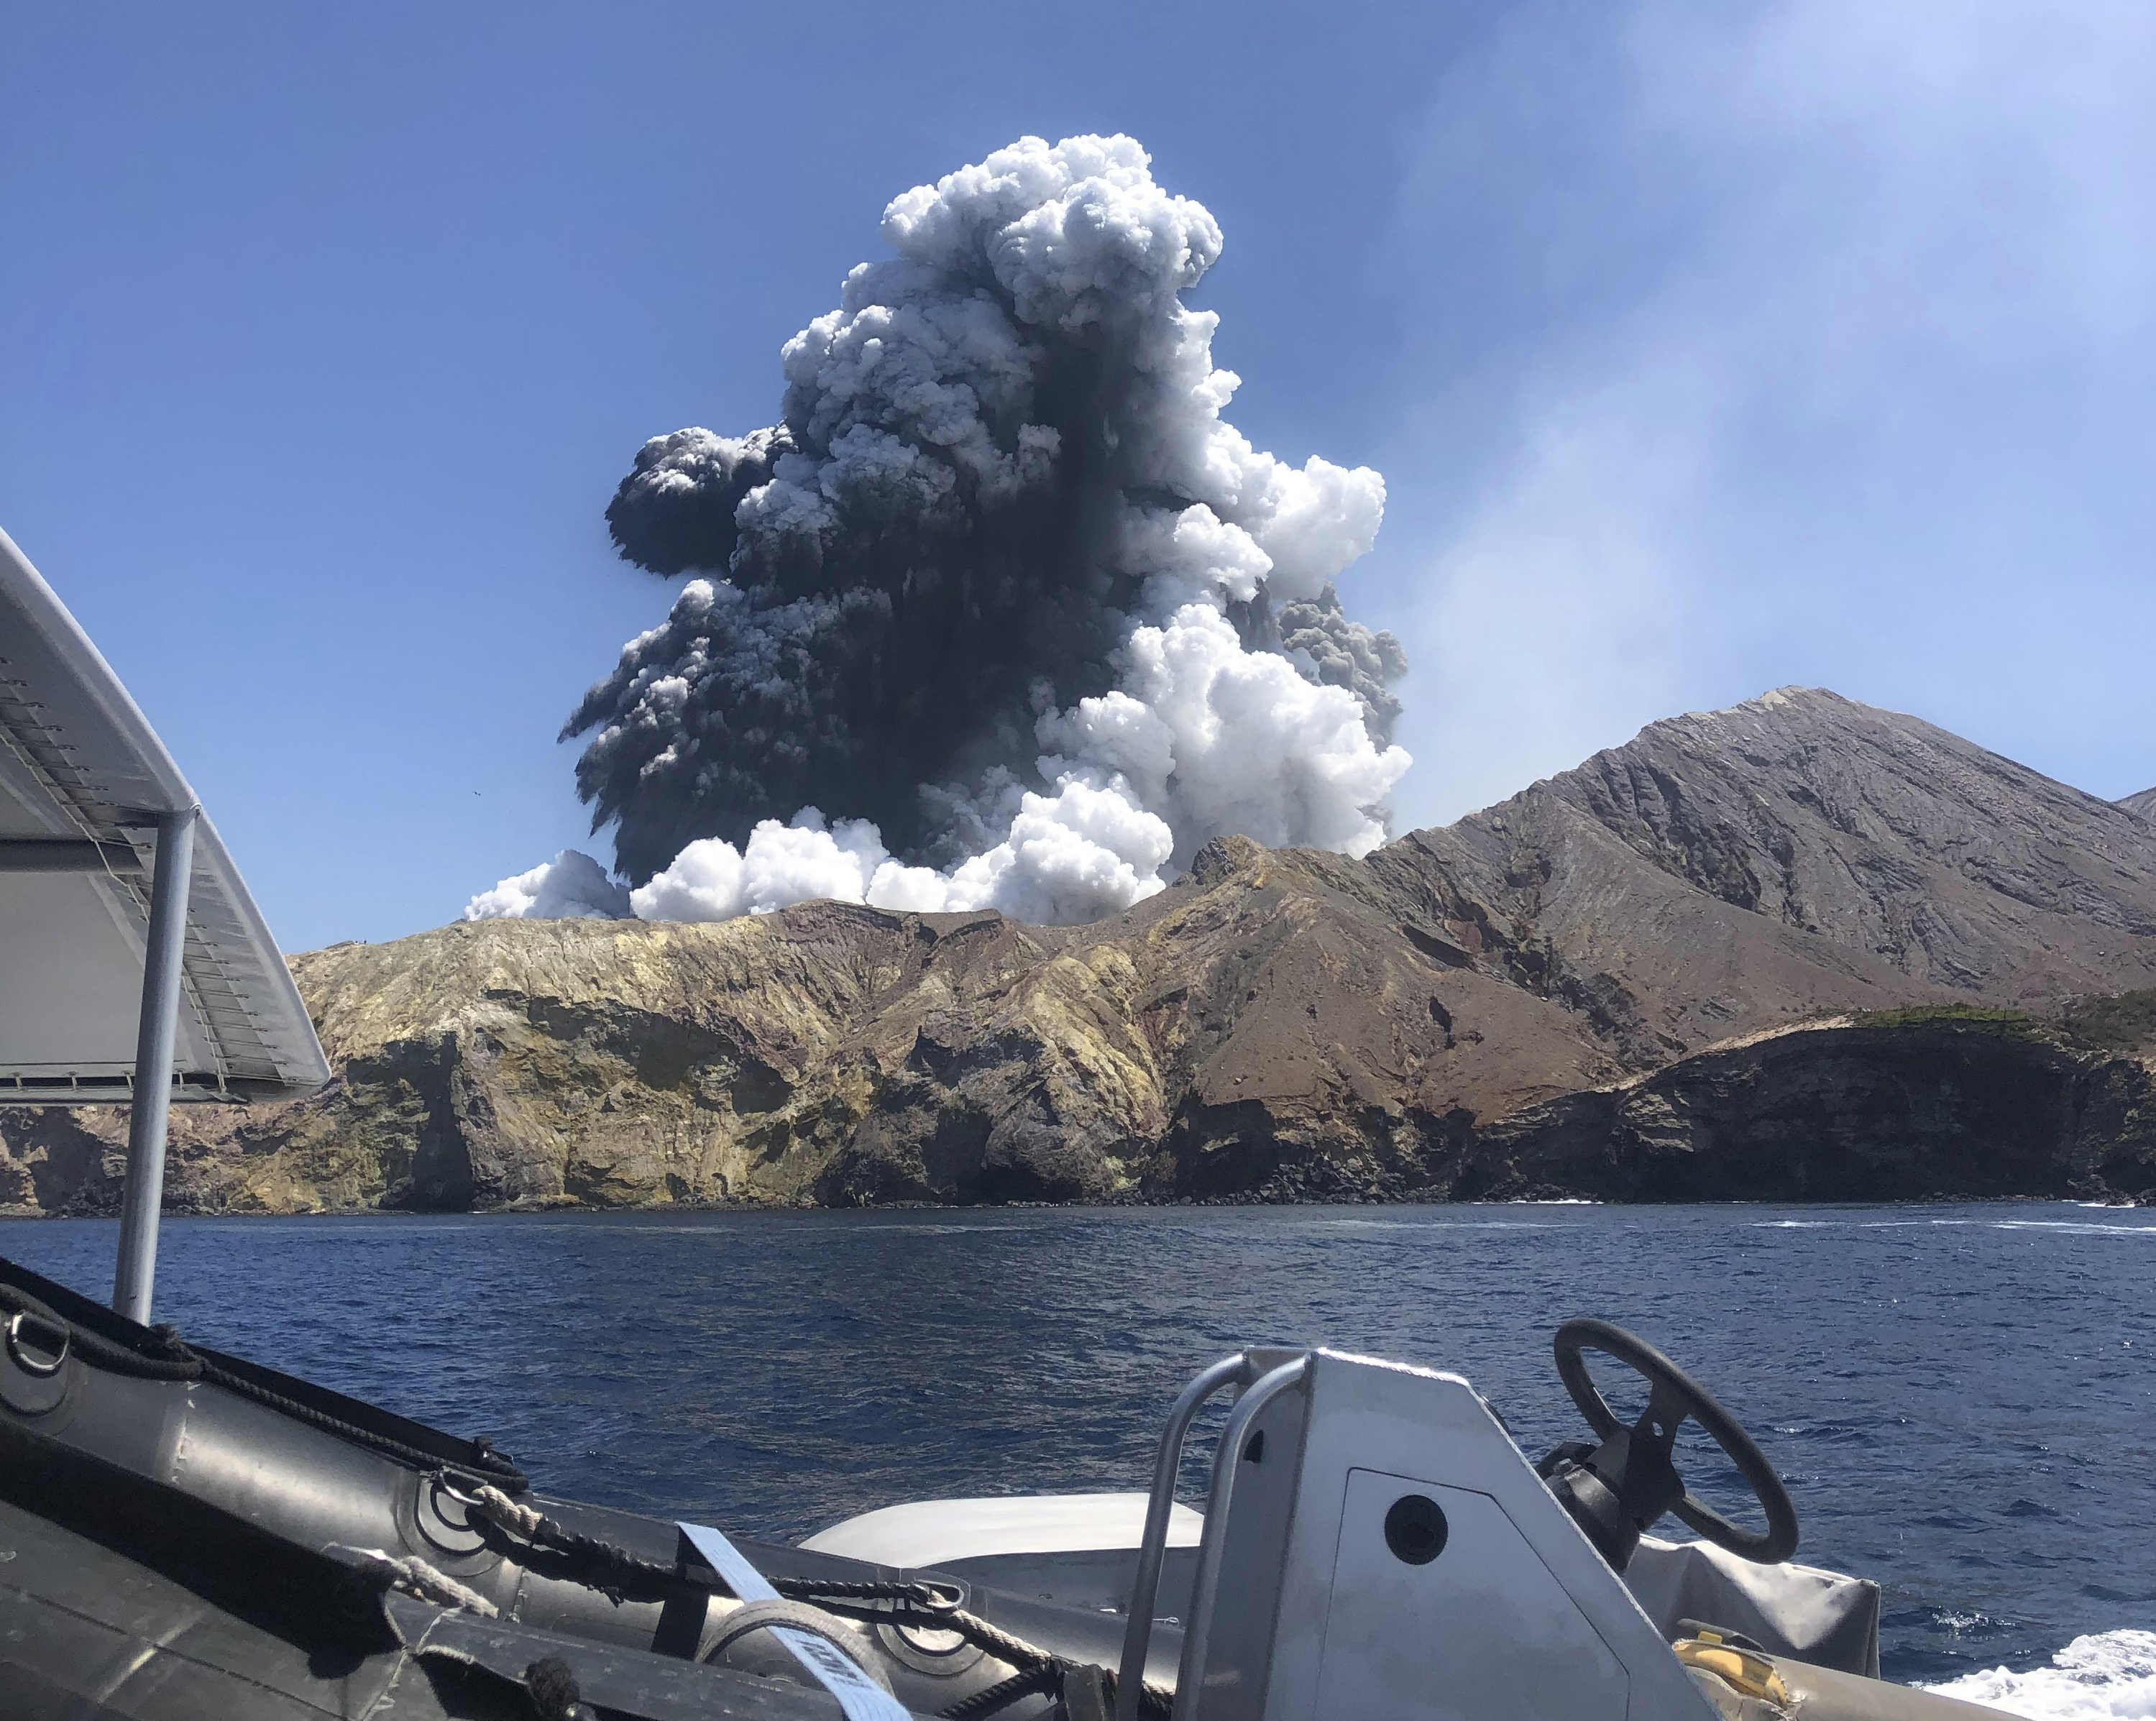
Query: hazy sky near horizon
1705, 348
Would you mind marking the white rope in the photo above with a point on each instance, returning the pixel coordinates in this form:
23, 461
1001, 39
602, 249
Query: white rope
518, 1520
430, 1584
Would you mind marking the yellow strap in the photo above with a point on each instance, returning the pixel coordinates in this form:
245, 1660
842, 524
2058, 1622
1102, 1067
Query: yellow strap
1750, 1674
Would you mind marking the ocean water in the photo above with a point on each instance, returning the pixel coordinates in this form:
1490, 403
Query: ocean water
1961, 1398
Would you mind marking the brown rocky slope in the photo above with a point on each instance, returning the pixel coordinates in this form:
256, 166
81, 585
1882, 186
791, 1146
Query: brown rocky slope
1634, 980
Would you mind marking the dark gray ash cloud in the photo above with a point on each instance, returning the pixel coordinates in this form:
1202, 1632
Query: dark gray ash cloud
1002, 592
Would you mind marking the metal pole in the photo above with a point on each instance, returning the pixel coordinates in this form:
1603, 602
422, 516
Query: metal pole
153, 1064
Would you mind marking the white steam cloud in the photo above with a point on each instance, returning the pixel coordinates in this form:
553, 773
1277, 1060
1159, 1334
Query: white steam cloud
571, 886
1004, 594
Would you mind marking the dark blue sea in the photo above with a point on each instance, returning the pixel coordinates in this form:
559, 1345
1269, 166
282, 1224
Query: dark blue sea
1963, 1398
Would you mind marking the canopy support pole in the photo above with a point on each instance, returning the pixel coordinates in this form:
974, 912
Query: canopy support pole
147, 1116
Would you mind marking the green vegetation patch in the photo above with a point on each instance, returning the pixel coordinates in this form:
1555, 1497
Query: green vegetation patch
2012, 1024
2123, 1023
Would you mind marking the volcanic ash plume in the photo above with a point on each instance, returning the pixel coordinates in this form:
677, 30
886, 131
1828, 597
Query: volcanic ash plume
1003, 612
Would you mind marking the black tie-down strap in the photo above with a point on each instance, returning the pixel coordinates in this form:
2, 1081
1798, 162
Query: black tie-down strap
546, 1665
50, 1322
560, 1673
1087, 1691
617, 1571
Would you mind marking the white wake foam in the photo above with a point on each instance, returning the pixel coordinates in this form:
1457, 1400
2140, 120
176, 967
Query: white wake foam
2108, 1676
2077, 1227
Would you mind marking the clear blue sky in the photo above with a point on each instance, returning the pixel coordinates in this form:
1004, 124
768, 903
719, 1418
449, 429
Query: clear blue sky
1705, 348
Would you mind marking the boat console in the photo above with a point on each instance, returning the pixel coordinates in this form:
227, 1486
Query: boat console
1374, 1544
1377, 1546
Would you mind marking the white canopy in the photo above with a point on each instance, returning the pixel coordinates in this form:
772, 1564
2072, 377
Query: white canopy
83, 780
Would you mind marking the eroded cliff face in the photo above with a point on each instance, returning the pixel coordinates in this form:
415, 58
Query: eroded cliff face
1612, 984
1841, 1111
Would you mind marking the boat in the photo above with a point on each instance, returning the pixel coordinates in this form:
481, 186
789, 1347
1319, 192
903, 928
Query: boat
188, 1535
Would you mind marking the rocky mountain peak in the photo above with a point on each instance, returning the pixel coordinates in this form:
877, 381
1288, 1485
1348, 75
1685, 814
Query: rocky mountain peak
1725, 870
1745, 784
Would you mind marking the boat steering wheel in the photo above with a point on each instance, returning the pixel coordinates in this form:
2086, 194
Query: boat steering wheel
1633, 1465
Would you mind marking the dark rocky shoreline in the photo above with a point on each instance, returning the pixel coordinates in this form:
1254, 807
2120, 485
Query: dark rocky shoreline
1928, 1108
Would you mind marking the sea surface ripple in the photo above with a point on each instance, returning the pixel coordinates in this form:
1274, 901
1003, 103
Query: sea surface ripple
1959, 1397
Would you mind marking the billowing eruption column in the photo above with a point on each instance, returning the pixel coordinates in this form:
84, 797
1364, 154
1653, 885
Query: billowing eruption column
1001, 593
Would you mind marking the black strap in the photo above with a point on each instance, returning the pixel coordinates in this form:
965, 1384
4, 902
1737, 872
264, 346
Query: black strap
160, 1353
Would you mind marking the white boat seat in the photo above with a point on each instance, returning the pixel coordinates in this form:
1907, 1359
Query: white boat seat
934, 1533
